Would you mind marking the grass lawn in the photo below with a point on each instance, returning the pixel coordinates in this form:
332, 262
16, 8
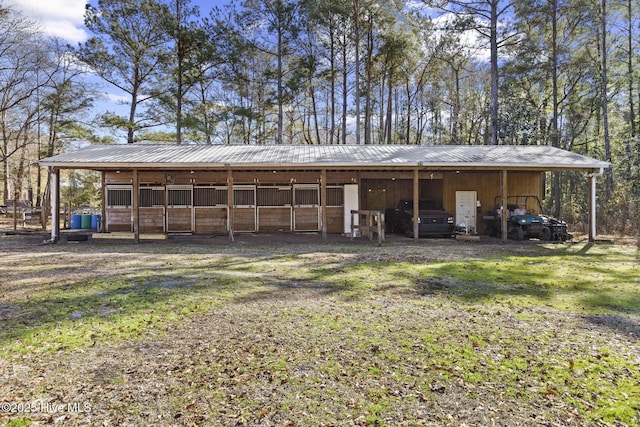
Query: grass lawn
299, 332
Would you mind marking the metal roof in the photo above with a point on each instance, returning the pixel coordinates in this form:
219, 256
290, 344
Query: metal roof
144, 156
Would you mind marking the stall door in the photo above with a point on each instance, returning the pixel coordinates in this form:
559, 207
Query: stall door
306, 207
119, 212
152, 205
335, 208
210, 209
244, 208
179, 208
274, 208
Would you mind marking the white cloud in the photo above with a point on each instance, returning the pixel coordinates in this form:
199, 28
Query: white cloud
59, 18
476, 46
117, 98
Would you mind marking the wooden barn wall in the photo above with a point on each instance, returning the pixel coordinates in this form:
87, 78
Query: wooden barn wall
306, 219
210, 220
335, 220
487, 186
239, 177
272, 219
244, 219
152, 220
378, 190
119, 219
380, 193
179, 219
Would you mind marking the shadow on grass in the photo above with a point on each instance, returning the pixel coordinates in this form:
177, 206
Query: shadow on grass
246, 273
623, 324
590, 279
475, 291
116, 306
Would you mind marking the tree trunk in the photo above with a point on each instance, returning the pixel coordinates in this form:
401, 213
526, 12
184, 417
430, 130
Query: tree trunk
132, 113
356, 7
5, 162
312, 93
205, 115
605, 102
389, 107
381, 132
493, 126
280, 90
180, 57
455, 114
345, 65
630, 74
368, 84
407, 88
332, 70
556, 190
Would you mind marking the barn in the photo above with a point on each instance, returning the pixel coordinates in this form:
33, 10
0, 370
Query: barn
228, 189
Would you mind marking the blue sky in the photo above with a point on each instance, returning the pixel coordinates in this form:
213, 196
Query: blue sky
60, 18
64, 18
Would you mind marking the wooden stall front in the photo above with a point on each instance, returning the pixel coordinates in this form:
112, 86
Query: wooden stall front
285, 201
197, 202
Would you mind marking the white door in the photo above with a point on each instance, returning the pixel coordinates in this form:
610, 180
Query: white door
466, 209
351, 198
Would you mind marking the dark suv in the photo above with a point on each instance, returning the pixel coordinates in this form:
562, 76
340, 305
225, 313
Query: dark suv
432, 219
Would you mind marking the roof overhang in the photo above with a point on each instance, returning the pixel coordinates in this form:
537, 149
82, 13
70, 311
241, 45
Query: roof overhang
317, 157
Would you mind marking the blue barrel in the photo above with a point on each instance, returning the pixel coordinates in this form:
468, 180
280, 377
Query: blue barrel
76, 222
86, 222
95, 221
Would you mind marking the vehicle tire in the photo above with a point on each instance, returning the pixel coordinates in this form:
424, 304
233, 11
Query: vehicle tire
545, 233
517, 233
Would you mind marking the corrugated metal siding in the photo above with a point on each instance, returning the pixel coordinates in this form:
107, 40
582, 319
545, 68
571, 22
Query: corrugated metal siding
143, 155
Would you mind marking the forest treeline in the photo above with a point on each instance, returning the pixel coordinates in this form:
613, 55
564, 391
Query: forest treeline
545, 72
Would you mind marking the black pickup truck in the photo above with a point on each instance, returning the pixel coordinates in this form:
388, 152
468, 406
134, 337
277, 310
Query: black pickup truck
432, 219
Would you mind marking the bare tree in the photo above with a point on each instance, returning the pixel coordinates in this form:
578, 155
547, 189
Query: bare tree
22, 58
486, 15
605, 99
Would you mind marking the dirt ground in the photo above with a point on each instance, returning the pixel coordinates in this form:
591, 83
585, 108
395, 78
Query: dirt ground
285, 354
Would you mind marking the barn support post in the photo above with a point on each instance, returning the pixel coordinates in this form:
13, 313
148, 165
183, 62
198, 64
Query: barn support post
103, 218
54, 173
323, 202
230, 203
16, 196
416, 204
504, 208
592, 204
136, 206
